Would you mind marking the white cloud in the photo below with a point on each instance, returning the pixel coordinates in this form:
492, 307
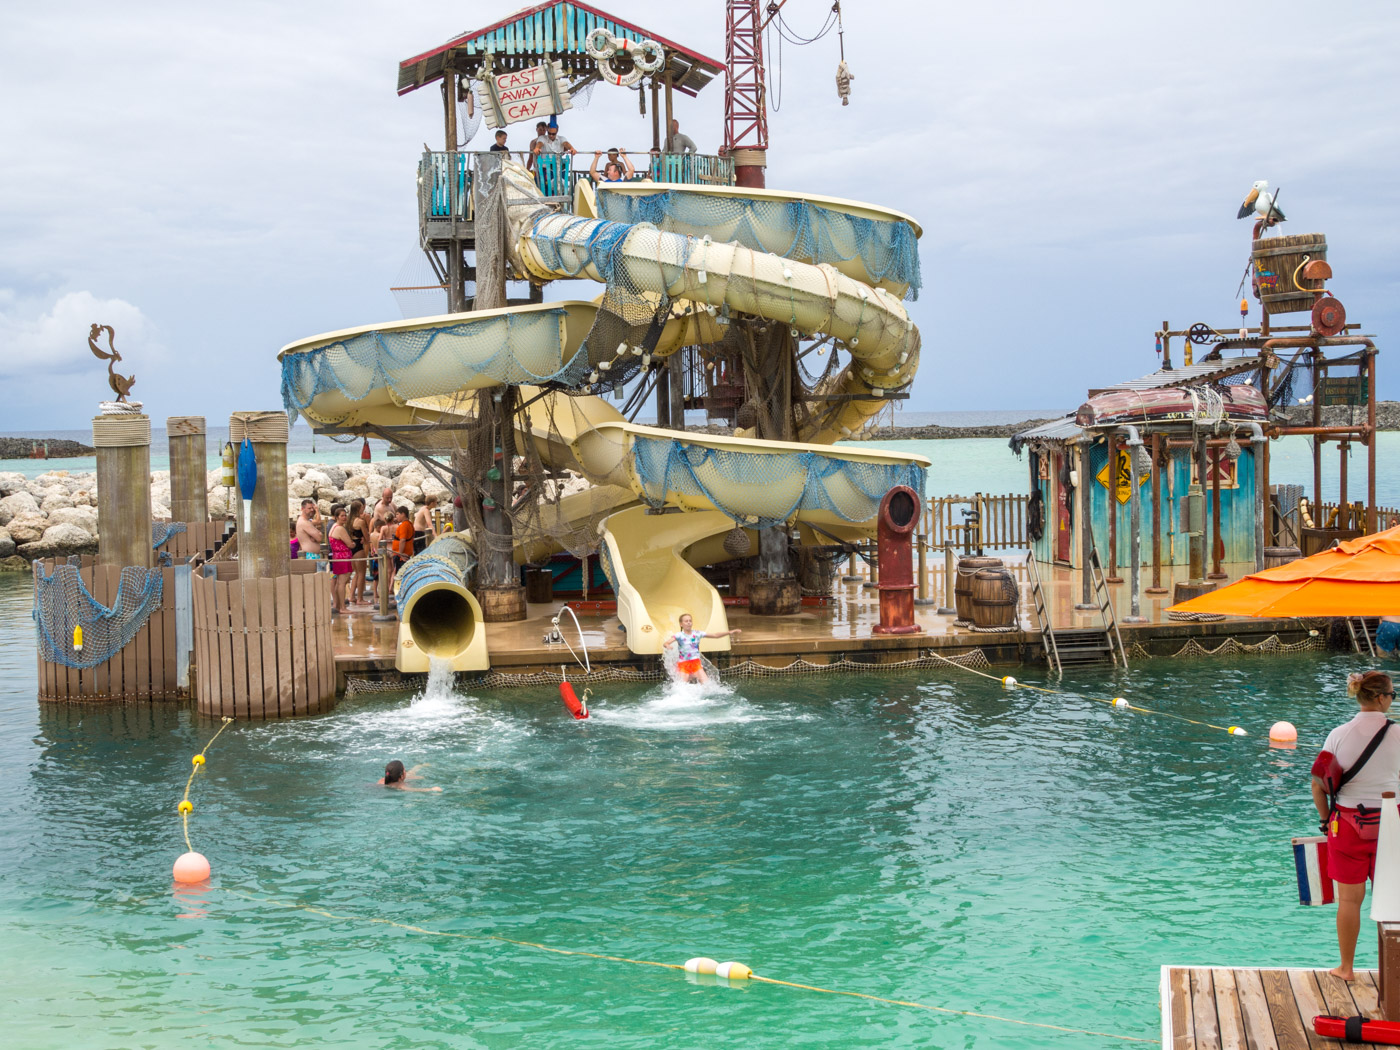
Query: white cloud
51, 338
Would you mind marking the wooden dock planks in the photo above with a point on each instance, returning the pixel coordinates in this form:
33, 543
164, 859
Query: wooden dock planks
1218, 1008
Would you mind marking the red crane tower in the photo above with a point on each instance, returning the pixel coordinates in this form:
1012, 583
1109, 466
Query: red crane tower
745, 107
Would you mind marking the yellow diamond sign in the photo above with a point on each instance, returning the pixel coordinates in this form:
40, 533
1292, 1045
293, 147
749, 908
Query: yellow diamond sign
1122, 484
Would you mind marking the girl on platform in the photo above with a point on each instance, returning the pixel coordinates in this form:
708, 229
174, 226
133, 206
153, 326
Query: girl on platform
341, 543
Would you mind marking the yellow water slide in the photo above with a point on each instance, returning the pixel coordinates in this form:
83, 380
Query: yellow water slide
417, 371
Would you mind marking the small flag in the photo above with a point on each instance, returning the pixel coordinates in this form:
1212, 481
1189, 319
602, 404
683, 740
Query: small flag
1315, 885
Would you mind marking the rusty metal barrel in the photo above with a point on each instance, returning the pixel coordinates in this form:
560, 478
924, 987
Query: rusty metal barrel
1275, 556
1276, 261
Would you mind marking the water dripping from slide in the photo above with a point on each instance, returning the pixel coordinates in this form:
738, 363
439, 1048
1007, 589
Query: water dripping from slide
677, 704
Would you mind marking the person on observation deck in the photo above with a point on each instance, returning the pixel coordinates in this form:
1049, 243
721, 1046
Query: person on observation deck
617, 169
499, 146
678, 142
1359, 762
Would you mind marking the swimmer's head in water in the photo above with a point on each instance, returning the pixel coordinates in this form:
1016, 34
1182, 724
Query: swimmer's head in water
687, 622
393, 772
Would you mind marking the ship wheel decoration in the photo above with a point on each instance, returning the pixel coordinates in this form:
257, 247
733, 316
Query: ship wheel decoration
1201, 334
1329, 317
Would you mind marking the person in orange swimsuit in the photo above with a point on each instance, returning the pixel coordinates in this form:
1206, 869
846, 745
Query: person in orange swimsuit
687, 640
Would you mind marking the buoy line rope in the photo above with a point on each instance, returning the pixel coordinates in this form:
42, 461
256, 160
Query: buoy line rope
409, 927
1117, 702
196, 764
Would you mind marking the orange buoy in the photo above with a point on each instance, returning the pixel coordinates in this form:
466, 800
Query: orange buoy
576, 707
191, 867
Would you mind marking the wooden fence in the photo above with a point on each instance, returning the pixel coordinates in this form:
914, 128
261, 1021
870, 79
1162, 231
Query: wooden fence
263, 647
1002, 521
146, 668
228, 570
198, 537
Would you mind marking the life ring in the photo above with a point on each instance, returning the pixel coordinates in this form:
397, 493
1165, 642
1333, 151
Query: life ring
1358, 1030
612, 76
576, 707
647, 55
601, 44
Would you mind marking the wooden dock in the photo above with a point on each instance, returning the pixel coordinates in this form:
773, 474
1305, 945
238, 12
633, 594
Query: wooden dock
1218, 1008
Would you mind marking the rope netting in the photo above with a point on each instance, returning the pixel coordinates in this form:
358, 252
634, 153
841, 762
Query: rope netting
512, 349
1233, 647
800, 230
161, 531
62, 603
447, 560
784, 483
973, 659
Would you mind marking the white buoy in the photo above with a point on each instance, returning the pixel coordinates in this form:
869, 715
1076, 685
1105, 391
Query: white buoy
1118, 701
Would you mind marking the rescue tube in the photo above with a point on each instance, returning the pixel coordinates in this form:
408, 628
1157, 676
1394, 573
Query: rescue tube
576, 707
1358, 1030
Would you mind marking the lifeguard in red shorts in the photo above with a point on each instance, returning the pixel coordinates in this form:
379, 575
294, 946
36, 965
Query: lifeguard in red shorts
687, 639
1359, 761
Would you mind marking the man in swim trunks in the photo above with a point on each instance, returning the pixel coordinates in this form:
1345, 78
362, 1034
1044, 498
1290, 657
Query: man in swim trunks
1388, 635
687, 640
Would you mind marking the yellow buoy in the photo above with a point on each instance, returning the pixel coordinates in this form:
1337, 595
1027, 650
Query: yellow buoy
186, 806
733, 971
1118, 701
198, 760
1237, 731
78, 638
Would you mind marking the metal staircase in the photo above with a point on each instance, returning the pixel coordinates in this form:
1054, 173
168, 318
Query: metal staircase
1042, 615
1363, 630
1093, 645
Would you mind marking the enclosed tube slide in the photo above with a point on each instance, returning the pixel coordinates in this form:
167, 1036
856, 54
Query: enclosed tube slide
438, 617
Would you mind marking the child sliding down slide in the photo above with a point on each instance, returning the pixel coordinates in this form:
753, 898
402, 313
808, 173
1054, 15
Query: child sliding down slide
688, 640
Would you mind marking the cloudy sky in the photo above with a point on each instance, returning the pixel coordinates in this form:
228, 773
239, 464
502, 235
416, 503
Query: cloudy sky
218, 180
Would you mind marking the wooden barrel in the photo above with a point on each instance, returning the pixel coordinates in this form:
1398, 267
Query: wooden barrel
539, 586
502, 604
1276, 259
962, 588
995, 597
1280, 556
1184, 592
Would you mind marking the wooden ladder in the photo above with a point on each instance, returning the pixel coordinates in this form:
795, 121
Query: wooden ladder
1363, 628
1042, 615
1093, 645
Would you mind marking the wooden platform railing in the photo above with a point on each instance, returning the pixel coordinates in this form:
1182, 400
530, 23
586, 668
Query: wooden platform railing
198, 537
263, 647
146, 668
1001, 522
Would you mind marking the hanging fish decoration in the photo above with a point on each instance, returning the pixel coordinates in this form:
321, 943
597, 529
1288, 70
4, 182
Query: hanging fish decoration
247, 481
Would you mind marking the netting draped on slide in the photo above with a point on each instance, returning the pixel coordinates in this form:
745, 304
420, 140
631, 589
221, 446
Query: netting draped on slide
512, 349
782, 483
62, 602
161, 531
447, 560
800, 230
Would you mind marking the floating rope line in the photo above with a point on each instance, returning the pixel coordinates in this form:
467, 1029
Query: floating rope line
310, 909
1117, 702
197, 763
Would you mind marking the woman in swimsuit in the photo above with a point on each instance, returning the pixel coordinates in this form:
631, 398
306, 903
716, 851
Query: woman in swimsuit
359, 561
687, 640
340, 541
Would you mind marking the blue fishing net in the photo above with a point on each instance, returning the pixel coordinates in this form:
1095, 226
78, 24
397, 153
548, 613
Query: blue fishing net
161, 531
800, 230
62, 602
850, 489
447, 560
512, 349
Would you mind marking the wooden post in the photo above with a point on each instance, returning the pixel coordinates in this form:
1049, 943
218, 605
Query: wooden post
122, 439
873, 568
1157, 587
1113, 576
656, 139
663, 395
264, 552
1372, 524
189, 500
1215, 544
1343, 511
1319, 372
1086, 527
449, 109
675, 365
1195, 514
950, 569
923, 598
670, 111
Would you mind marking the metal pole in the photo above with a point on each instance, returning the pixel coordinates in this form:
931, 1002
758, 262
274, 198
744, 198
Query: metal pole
1215, 544
1112, 504
1086, 529
384, 567
1135, 524
873, 584
1372, 524
950, 569
1257, 442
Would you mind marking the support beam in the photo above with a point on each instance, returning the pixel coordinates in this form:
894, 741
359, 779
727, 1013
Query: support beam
1157, 450
1086, 527
676, 366
263, 551
189, 498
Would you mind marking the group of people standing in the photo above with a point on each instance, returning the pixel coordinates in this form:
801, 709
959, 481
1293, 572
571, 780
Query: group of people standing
351, 537
548, 141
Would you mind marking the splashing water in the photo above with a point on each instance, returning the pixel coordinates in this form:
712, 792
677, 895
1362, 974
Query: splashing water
441, 679
681, 704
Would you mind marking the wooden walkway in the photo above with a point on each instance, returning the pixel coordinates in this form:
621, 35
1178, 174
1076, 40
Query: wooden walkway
1214, 1008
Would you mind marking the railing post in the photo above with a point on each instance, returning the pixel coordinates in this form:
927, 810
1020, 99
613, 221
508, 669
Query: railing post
949, 607
923, 598
383, 584
873, 584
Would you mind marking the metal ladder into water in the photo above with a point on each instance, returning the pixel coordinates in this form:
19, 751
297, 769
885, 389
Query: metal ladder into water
1363, 628
1091, 645
1042, 614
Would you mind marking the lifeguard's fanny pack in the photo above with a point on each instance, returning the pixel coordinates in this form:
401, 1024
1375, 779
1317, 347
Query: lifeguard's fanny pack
1366, 822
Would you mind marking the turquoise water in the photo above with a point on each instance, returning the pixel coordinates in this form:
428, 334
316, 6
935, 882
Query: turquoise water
927, 837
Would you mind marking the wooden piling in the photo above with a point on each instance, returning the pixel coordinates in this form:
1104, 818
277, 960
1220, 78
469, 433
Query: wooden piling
123, 443
263, 548
189, 499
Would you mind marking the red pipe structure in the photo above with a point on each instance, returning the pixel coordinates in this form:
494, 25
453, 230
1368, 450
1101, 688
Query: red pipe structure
745, 104
899, 513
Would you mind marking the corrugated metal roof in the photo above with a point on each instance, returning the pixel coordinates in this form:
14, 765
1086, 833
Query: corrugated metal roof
1056, 430
550, 30
1200, 372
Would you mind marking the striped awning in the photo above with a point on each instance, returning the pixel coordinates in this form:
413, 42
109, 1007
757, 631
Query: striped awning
546, 31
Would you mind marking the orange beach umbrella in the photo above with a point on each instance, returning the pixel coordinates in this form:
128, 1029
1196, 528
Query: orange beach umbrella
1359, 577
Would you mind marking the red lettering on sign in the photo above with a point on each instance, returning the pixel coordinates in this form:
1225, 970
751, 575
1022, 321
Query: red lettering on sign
521, 94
